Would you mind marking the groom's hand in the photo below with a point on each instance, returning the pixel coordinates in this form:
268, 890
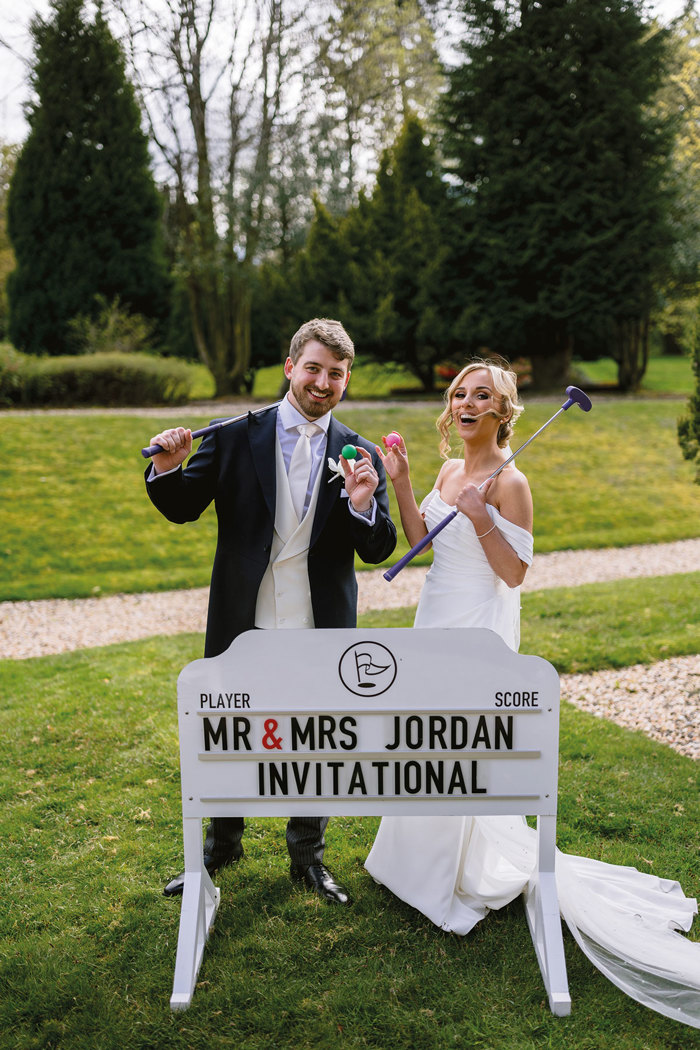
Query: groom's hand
176, 445
360, 483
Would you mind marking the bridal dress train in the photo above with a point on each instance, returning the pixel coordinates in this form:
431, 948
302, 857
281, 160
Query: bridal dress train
455, 869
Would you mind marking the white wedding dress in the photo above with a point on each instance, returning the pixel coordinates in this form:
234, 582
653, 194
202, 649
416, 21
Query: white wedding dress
455, 869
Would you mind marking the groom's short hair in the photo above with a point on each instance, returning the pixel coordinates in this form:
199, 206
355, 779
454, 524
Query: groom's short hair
330, 333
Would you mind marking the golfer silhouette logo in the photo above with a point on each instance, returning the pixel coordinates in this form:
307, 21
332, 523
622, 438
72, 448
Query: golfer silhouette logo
367, 669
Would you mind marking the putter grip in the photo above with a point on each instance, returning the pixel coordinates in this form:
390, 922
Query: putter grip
153, 450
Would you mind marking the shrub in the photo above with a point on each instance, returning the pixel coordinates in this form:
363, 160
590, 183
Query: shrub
12, 364
97, 379
115, 329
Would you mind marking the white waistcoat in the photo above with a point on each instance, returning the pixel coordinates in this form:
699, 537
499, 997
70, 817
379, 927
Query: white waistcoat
284, 598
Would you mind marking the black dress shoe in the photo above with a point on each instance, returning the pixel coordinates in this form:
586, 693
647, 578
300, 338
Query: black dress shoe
318, 878
212, 862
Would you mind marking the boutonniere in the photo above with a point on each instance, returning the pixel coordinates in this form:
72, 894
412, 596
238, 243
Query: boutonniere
336, 470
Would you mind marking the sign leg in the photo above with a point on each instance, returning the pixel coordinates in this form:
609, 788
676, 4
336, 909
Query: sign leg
200, 900
542, 910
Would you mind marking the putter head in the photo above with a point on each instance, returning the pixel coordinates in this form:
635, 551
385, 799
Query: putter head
577, 397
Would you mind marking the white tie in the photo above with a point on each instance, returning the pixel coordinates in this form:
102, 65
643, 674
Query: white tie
300, 467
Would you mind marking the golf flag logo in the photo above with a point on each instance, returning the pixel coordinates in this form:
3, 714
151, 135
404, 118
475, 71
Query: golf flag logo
367, 669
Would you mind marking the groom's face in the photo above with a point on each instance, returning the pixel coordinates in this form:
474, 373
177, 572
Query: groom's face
316, 380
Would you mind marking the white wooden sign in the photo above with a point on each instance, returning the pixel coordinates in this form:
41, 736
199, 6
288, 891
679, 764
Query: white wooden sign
380, 722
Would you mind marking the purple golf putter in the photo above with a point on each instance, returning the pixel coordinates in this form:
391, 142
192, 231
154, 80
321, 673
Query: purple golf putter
574, 397
153, 450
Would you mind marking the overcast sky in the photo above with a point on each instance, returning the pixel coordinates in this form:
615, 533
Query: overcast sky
14, 22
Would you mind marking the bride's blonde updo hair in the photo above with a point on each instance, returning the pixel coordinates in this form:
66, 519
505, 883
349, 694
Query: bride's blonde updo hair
506, 386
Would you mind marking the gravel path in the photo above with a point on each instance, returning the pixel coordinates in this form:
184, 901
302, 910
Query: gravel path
662, 700
39, 628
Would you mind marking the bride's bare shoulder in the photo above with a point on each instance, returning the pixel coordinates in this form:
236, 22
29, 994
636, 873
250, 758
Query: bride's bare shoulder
513, 498
447, 470
516, 480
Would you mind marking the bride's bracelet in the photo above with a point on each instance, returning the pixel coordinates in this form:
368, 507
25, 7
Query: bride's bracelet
486, 533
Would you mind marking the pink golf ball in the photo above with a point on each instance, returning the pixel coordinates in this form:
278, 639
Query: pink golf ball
392, 439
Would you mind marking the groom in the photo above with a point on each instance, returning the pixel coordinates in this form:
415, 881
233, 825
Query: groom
288, 532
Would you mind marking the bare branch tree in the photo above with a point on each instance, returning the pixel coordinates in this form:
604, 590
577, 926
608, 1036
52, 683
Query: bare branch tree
253, 106
211, 75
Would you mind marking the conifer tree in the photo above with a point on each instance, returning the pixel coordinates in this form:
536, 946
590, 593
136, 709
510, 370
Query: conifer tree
383, 267
562, 163
83, 212
689, 425
411, 229
8, 159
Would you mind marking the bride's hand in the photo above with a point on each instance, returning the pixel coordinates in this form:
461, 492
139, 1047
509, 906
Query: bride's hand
472, 501
395, 460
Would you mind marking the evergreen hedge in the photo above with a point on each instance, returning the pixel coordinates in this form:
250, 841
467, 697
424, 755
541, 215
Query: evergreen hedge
107, 379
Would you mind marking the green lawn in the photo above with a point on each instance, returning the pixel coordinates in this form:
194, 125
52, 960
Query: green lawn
599, 625
90, 830
373, 380
89, 781
369, 380
76, 520
664, 375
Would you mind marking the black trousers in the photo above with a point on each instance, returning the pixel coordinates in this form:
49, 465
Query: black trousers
305, 838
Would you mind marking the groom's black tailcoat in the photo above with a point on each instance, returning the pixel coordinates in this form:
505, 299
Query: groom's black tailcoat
235, 467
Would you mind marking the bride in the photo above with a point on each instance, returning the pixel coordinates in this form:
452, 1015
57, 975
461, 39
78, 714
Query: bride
625, 921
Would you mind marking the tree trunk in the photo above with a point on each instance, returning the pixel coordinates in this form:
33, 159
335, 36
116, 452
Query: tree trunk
631, 351
242, 302
551, 366
203, 318
420, 363
672, 345
222, 337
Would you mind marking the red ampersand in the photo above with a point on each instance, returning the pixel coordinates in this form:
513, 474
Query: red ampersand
271, 742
